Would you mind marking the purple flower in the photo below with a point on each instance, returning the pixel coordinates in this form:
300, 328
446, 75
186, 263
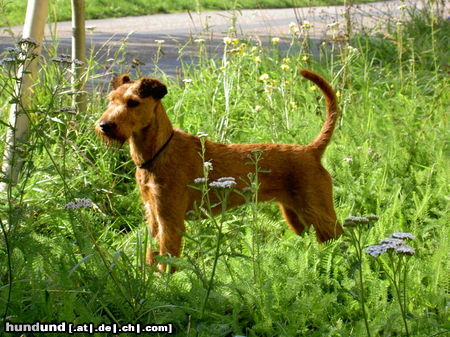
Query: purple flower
372, 217
392, 242
405, 249
353, 221
80, 203
403, 236
376, 250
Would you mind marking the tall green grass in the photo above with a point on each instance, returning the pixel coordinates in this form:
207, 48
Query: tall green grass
243, 273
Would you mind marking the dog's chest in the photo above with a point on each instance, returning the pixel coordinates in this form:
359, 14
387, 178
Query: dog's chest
148, 183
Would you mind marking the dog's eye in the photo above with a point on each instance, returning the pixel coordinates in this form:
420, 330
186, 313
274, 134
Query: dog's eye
131, 103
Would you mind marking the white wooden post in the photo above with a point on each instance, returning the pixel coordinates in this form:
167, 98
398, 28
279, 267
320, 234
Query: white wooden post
19, 132
79, 53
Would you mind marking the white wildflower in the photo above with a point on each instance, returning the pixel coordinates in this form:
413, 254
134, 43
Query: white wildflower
224, 182
199, 180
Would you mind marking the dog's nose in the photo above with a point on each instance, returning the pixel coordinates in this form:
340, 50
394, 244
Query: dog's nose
107, 126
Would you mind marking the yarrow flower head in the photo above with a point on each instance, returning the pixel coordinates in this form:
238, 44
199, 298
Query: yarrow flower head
403, 236
394, 243
275, 40
224, 182
29, 41
200, 180
208, 165
391, 242
8, 61
353, 221
199, 41
201, 134
372, 217
63, 59
405, 249
80, 203
187, 80
284, 67
376, 250
160, 42
66, 109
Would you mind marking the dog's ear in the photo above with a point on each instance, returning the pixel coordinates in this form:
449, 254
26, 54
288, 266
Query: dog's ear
151, 87
119, 80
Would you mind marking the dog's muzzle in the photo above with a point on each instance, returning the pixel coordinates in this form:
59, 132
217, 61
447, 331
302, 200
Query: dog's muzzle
107, 127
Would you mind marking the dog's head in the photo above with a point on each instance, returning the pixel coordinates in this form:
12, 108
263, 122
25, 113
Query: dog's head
131, 108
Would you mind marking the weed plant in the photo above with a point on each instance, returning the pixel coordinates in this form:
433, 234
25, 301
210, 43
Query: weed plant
73, 235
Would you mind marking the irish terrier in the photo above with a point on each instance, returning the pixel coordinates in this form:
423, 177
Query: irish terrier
167, 161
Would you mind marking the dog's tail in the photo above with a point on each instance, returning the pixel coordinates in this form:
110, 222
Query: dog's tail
332, 110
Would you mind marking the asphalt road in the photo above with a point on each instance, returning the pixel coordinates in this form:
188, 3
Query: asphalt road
105, 37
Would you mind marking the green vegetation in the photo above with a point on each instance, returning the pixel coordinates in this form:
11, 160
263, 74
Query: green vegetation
243, 272
100, 9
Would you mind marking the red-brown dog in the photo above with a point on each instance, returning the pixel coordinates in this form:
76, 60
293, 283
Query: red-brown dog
168, 160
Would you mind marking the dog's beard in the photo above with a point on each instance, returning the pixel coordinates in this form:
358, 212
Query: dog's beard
113, 139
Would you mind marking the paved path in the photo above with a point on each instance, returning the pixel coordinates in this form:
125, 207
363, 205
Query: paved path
180, 29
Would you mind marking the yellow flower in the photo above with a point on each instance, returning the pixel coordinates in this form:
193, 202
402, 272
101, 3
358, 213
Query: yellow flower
284, 67
313, 88
264, 77
293, 105
293, 28
306, 25
305, 58
286, 60
258, 107
257, 59
234, 42
275, 40
227, 40
292, 25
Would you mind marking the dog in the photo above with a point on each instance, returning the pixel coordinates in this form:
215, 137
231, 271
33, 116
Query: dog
167, 161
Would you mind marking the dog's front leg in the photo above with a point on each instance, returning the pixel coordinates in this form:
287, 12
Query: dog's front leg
153, 228
170, 239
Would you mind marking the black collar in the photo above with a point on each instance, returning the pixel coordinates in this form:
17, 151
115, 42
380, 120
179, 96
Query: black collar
149, 162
